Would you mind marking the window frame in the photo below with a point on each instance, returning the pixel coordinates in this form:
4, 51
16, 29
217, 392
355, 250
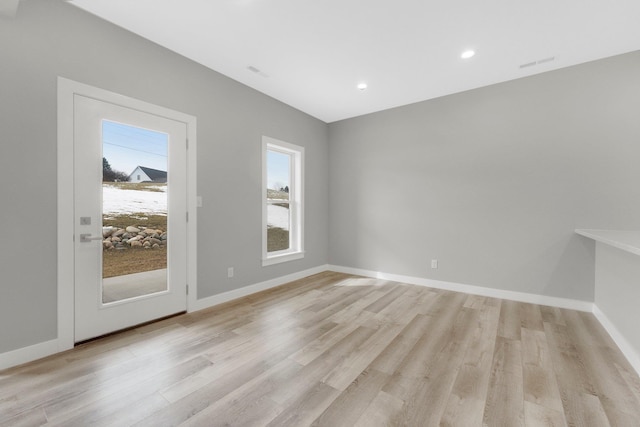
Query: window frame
296, 202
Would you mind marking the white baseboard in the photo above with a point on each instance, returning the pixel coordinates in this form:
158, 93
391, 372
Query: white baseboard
631, 353
44, 349
625, 347
252, 289
37, 351
472, 289
28, 354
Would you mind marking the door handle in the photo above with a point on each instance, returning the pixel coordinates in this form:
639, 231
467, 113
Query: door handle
87, 237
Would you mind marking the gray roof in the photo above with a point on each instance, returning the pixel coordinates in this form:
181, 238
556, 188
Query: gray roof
154, 175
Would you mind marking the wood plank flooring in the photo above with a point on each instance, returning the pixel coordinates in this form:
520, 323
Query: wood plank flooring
338, 350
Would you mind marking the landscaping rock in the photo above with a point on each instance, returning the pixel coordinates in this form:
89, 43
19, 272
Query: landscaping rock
133, 236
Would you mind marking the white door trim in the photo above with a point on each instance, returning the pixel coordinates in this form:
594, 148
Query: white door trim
66, 90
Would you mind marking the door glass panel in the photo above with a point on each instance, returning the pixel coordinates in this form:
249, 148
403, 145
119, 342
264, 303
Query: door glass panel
278, 206
134, 211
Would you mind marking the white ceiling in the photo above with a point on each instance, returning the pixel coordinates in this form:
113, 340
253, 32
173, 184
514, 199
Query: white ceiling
312, 53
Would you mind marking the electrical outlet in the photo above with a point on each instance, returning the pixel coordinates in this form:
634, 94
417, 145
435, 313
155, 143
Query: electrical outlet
434, 263
230, 272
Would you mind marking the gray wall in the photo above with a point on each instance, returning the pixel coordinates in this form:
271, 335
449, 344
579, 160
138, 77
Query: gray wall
49, 39
617, 291
492, 182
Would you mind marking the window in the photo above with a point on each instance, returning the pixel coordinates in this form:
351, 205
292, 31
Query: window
282, 207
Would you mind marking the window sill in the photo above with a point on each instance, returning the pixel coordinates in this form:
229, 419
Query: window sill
277, 259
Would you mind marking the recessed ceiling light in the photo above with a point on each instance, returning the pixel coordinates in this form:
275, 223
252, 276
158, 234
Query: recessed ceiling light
362, 86
467, 54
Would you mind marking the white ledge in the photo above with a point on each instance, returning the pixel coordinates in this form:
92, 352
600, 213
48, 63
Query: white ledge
627, 240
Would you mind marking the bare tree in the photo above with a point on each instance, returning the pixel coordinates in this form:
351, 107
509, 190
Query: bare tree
110, 175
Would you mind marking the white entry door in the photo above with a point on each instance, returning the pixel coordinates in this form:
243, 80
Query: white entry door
130, 205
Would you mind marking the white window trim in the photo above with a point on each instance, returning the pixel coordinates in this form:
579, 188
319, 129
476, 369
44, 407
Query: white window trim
296, 205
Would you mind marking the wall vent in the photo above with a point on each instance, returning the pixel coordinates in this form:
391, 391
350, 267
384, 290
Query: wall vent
538, 62
549, 59
257, 71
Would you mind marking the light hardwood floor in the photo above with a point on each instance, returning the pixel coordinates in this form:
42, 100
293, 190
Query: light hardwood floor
338, 350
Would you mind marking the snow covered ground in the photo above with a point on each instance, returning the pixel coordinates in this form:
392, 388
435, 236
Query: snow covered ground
117, 201
277, 216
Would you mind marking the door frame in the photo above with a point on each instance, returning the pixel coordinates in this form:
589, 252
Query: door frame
67, 89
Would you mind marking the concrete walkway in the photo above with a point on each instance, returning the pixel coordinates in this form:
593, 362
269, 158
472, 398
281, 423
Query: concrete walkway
134, 285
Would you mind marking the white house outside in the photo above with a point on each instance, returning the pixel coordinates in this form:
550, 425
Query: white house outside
144, 174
